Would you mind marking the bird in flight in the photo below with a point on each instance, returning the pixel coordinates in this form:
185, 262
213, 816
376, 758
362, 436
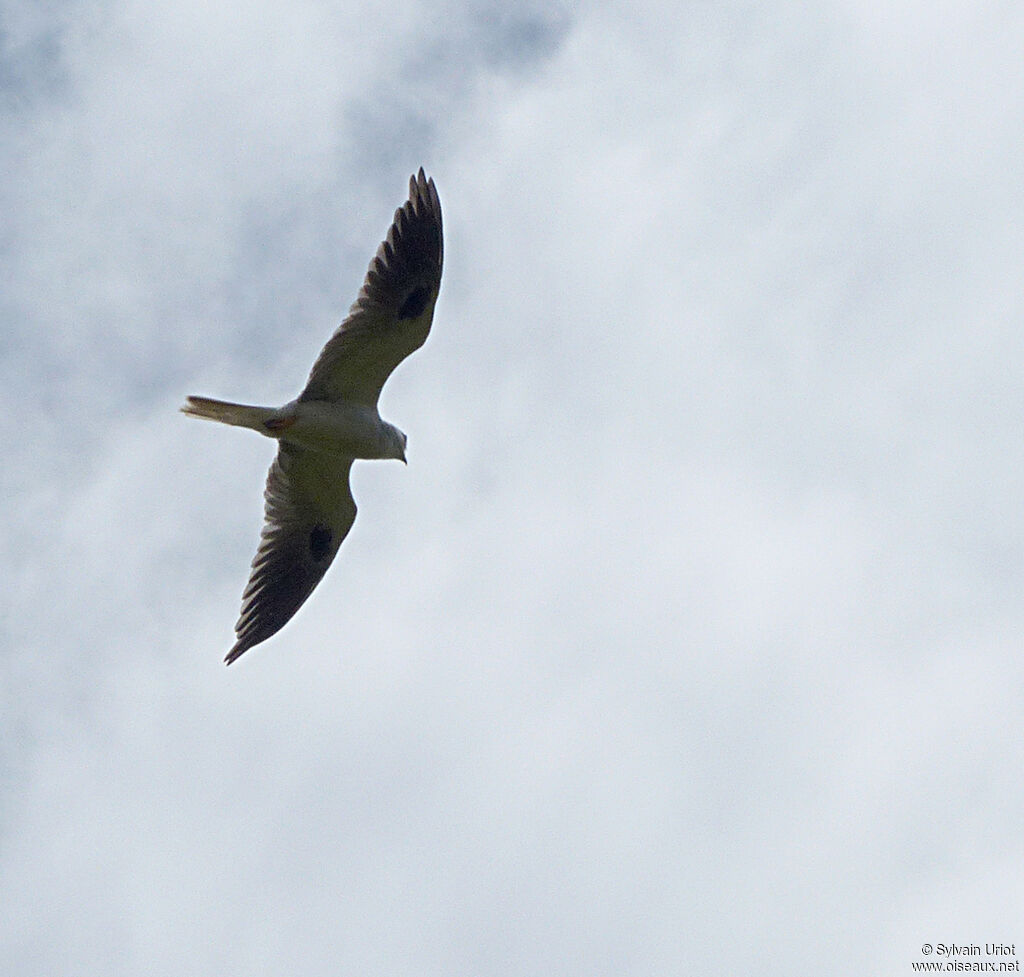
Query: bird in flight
309, 505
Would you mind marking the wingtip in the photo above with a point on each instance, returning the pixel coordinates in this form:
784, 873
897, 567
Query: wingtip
236, 652
423, 194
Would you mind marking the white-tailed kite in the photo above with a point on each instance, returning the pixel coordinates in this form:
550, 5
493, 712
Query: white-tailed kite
309, 504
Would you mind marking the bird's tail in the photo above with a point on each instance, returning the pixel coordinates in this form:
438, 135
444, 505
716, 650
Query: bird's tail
241, 415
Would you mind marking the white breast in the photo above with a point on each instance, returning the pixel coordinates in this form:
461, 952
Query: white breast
349, 430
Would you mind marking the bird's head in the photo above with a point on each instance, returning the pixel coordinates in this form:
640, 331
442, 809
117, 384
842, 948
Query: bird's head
396, 444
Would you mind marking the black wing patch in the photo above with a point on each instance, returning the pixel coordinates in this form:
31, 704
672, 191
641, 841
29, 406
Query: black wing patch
414, 304
319, 542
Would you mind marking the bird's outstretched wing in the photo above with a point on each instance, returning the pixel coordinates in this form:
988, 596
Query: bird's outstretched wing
309, 511
392, 315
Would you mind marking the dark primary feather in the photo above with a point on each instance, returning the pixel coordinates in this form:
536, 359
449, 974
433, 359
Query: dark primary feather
309, 511
392, 315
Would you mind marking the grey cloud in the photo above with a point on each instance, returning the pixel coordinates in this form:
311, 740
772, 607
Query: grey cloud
689, 639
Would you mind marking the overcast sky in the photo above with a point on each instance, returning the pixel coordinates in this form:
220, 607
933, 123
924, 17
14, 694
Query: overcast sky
690, 639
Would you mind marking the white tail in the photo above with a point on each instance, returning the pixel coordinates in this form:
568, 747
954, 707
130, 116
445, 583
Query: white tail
241, 415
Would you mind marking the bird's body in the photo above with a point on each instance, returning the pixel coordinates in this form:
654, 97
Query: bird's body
309, 505
332, 427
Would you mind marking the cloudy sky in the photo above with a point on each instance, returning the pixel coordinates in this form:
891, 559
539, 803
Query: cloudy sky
690, 639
